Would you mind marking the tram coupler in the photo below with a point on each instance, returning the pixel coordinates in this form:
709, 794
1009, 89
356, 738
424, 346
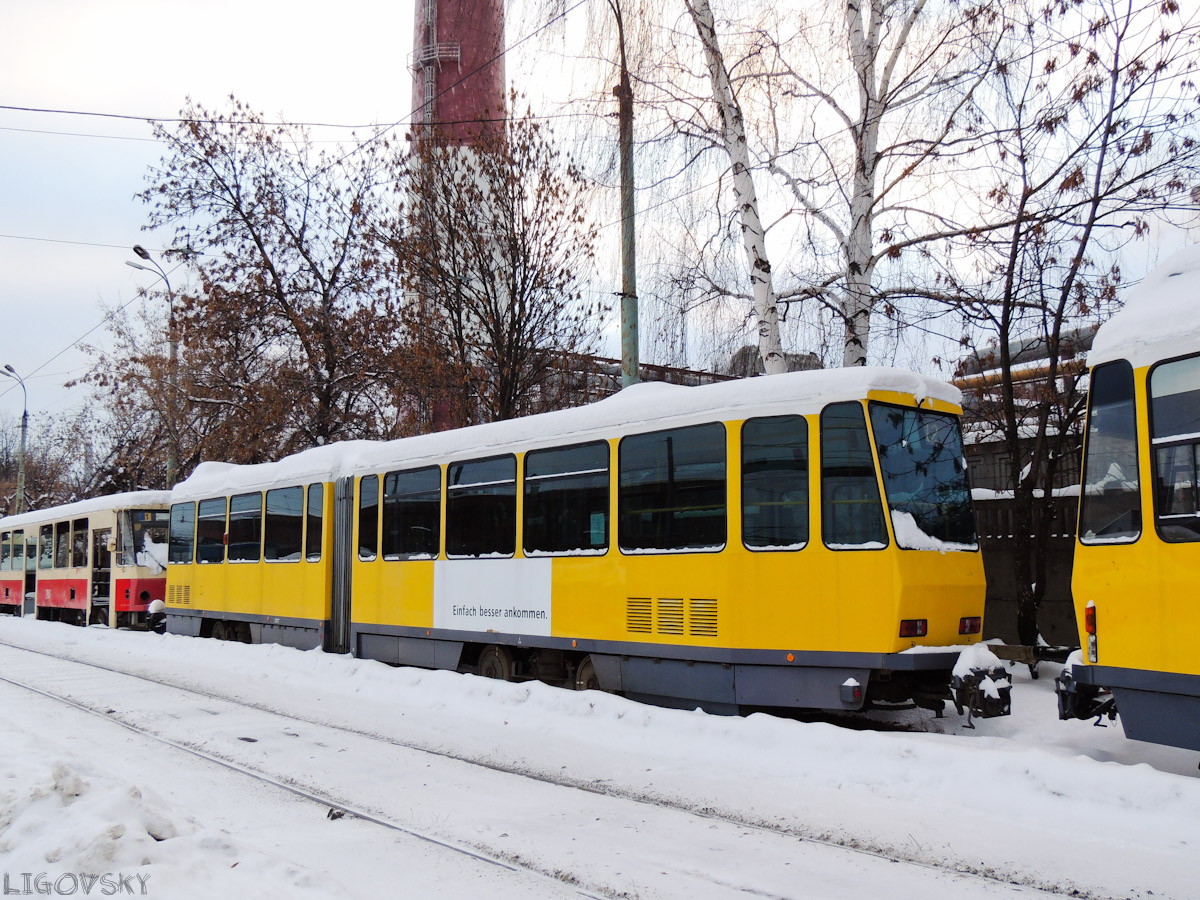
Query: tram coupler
1078, 700
983, 693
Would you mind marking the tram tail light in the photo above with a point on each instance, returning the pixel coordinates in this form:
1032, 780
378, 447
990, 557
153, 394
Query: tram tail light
970, 625
914, 627
1089, 625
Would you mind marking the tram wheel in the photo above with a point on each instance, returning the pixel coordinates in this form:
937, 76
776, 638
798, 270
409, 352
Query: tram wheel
585, 676
219, 632
495, 662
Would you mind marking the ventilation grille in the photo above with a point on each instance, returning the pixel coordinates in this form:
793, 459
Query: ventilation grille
179, 595
637, 616
702, 618
671, 616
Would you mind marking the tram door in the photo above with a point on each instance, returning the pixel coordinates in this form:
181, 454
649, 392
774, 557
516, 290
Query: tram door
102, 577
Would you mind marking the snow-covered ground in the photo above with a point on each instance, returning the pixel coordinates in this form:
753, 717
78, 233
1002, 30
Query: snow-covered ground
462, 787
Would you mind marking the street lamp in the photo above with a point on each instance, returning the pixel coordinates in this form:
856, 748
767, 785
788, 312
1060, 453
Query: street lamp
10, 372
173, 366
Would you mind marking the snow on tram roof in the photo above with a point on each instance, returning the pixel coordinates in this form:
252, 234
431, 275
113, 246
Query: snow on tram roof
643, 407
1160, 318
126, 500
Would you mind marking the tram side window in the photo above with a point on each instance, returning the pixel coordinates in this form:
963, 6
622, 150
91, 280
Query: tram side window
79, 543
210, 531
6, 551
1175, 433
412, 509
30, 551
18, 551
245, 527
62, 544
183, 533
283, 531
851, 509
1111, 510
368, 517
566, 500
775, 483
671, 493
312, 533
46, 547
481, 507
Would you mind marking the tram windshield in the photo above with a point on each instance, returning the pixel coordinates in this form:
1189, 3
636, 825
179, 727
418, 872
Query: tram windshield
924, 477
142, 538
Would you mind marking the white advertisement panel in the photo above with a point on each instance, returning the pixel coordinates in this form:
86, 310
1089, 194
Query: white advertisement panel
505, 595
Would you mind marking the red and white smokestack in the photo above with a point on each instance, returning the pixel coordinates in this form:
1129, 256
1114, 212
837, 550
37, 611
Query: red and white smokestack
458, 67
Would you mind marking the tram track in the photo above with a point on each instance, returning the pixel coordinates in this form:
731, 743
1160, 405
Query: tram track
482, 849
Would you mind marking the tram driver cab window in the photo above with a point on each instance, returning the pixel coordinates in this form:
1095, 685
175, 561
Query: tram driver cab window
1111, 511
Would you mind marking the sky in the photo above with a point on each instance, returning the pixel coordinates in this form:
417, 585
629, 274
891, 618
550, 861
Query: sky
68, 214
188, 774
67, 210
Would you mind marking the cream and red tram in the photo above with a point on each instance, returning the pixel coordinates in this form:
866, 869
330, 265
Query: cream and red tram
97, 561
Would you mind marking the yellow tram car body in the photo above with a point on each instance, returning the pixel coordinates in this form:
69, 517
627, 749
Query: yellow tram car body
761, 570
1138, 547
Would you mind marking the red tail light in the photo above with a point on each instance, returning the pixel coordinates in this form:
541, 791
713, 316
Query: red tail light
1089, 619
914, 627
970, 625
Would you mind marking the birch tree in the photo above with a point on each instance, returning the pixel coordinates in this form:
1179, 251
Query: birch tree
733, 137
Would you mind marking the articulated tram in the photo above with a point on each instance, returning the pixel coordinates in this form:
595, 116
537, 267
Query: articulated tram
100, 561
1138, 548
804, 540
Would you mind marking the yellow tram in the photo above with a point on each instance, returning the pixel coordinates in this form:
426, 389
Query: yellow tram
1138, 547
805, 540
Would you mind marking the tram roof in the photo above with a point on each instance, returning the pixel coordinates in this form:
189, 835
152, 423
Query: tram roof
126, 500
1160, 318
644, 407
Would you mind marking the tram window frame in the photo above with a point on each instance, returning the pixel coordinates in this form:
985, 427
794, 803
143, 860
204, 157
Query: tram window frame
481, 515
368, 528
19, 551
1170, 526
1087, 507
866, 490
79, 544
767, 474
283, 525
45, 546
62, 544
175, 556
314, 522
641, 475
6, 551
410, 531
245, 528
562, 492
210, 513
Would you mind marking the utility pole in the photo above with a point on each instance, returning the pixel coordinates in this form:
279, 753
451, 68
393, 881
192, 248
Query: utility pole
630, 365
12, 373
173, 363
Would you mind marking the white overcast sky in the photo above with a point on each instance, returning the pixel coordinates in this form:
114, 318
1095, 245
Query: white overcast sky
67, 182
67, 211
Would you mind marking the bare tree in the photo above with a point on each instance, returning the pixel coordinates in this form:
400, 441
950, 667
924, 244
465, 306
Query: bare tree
733, 137
1096, 141
495, 246
291, 322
